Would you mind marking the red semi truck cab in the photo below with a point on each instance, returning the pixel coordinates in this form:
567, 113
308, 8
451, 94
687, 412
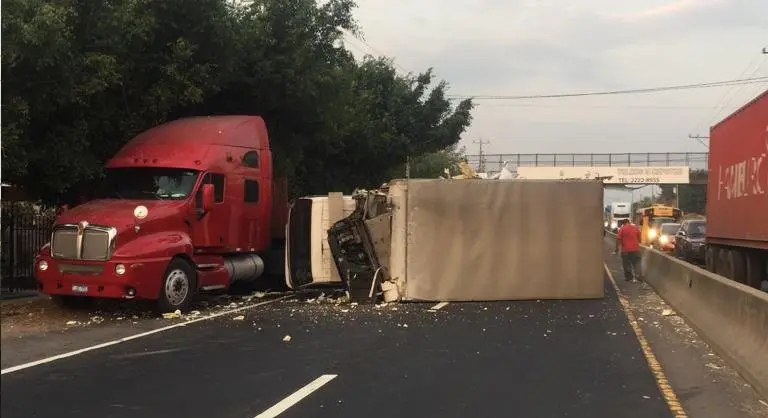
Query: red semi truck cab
185, 206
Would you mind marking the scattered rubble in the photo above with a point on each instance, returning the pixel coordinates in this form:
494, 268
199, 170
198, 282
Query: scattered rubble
323, 299
28, 316
172, 315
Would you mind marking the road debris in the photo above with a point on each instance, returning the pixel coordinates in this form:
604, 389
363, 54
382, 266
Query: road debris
239, 318
287, 338
667, 312
172, 315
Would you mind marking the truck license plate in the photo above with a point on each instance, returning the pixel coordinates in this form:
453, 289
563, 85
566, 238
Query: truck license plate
79, 288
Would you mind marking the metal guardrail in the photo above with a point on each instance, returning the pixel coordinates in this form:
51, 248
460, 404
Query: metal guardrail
494, 162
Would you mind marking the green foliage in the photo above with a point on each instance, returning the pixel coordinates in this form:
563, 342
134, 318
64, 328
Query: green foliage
642, 203
693, 196
81, 78
432, 164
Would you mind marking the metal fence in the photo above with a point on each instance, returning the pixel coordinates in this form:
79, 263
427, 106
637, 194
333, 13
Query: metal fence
25, 228
494, 162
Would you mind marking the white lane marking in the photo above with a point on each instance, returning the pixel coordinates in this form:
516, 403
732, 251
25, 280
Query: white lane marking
297, 396
134, 337
147, 353
438, 306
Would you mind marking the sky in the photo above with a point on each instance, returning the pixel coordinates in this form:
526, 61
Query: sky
528, 47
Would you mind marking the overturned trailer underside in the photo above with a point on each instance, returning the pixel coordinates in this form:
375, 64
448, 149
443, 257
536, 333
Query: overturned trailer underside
465, 240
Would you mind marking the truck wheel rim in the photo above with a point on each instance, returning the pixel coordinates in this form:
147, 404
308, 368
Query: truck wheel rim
176, 287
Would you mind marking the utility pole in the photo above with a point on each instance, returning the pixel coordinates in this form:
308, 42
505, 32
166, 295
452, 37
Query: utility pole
480, 142
698, 138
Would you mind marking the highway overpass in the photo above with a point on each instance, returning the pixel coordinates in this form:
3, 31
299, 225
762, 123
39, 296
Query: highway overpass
494, 162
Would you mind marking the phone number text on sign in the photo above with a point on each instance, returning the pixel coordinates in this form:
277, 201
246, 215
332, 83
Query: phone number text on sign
651, 175
639, 180
610, 174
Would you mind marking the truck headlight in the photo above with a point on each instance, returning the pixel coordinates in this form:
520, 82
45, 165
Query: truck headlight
664, 239
120, 269
652, 234
42, 265
613, 224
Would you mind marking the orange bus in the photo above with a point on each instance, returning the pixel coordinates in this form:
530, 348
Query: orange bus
650, 219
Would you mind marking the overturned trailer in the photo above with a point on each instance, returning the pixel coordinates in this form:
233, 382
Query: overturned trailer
466, 240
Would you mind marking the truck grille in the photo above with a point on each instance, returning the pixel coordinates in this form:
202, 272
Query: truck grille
95, 243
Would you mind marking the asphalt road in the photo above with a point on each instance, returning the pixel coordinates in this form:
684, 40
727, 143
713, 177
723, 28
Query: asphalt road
502, 359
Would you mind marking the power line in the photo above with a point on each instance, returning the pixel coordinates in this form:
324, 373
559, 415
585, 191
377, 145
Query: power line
616, 106
699, 138
753, 80
725, 99
363, 41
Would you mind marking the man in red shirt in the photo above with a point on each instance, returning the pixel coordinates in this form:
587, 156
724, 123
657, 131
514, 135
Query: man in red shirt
628, 242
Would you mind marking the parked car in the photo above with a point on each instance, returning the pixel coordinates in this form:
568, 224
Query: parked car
666, 237
690, 240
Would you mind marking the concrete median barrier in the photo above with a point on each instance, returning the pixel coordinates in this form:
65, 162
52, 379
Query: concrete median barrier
731, 317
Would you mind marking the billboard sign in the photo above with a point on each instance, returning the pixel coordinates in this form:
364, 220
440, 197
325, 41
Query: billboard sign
610, 175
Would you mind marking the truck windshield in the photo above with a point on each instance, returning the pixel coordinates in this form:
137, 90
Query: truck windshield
148, 183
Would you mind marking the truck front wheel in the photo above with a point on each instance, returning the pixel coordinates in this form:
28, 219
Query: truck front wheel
179, 286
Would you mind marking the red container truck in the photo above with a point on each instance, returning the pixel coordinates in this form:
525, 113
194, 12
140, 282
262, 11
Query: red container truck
187, 206
737, 195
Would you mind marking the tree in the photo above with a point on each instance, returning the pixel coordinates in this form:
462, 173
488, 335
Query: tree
693, 196
667, 195
432, 164
81, 78
642, 203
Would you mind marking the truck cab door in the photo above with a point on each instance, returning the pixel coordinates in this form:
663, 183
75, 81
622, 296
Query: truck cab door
210, 224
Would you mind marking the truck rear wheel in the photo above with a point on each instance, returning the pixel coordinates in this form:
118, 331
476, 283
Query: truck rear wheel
179, 286
755, 270
738, 265
721, 264
711, 257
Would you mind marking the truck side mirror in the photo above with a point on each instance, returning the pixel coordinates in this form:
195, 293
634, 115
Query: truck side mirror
208, 198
